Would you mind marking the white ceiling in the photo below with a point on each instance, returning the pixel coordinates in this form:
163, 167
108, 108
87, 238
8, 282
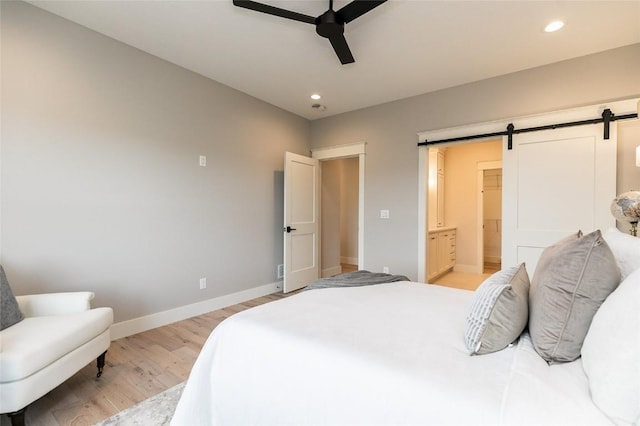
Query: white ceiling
402, 48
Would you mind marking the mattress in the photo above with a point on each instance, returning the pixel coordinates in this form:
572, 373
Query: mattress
375, 355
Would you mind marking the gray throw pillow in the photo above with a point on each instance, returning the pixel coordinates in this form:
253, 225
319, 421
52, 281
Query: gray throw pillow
9, 310
499, 311
572, 279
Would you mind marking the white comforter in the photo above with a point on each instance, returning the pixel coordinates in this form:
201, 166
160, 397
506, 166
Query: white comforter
389, 354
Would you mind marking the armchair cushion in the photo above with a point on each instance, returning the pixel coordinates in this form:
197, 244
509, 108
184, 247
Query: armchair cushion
10, 313
37, 342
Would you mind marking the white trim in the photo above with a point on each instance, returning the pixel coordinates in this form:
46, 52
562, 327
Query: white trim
623, 107
423, 170
627, 106
159, 319
361, 211
346, 151
340, 151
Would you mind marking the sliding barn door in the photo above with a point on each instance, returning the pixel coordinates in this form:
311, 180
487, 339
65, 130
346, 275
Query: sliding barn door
301, 221
555, 182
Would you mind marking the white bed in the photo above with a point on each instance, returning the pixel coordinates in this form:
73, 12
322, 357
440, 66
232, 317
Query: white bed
399, 353
382, 354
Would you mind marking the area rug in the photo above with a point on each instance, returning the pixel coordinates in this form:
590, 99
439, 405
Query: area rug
155, 411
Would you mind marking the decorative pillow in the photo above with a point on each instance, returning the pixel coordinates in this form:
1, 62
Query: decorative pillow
499, 311
572, 279
611, 353
9, 309
626, 250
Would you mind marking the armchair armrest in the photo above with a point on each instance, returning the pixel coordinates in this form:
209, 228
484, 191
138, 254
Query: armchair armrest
37, 305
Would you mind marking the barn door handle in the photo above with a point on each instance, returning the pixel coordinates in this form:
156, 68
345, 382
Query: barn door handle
289, 229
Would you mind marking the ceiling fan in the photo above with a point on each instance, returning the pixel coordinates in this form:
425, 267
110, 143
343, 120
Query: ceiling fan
328, 25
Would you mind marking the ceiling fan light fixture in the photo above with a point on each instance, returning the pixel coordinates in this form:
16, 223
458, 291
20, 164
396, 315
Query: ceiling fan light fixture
553, 26
315, 97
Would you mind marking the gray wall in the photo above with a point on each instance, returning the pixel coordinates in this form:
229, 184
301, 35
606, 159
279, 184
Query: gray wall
101, 187
391, 173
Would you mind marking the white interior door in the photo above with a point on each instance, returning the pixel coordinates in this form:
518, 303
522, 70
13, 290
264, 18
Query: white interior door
301, 221
555, 182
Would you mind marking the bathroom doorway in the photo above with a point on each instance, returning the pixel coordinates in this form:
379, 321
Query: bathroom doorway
491, 211
463, 204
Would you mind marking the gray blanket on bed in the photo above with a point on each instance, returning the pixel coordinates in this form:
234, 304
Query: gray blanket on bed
355, 279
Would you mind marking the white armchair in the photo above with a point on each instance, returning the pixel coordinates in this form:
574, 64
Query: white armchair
59, 335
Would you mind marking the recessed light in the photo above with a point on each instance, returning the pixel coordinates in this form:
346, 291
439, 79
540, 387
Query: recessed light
315, 97
553, 26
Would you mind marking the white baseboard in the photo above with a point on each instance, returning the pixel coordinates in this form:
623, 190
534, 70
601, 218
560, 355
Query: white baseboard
138, 325
329, 272
349, 260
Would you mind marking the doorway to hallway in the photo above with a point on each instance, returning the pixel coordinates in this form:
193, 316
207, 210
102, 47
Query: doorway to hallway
339, 224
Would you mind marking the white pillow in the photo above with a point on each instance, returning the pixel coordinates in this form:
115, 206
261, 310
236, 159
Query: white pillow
499, 311
611, 353
626, 250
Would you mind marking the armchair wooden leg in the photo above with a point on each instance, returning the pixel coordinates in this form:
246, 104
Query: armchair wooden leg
101, 363
17, 418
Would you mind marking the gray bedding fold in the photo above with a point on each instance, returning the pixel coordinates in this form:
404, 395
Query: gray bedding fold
355, 279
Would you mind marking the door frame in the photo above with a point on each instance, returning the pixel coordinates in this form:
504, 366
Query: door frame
347, 151
621, 107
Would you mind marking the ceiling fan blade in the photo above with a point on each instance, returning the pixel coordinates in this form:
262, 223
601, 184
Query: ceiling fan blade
339, 44
276, 11
357, 8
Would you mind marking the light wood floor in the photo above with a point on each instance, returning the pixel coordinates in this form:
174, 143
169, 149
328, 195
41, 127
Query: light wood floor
461, 280
137, 368
467, 281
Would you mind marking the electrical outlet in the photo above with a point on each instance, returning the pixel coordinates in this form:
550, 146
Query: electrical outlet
281, 271
385, 269
384, 214
203, 283
203, 161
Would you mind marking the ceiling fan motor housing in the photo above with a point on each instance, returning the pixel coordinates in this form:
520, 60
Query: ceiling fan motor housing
329, 24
